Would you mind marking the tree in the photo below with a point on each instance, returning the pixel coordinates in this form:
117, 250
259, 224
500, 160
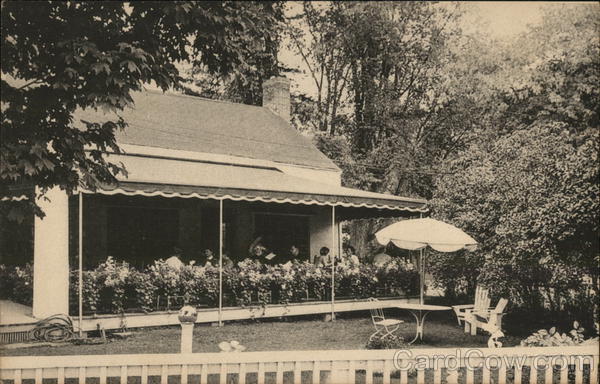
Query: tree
318, 35
531, 201
61, 56
378, 71
527, 187
245, 84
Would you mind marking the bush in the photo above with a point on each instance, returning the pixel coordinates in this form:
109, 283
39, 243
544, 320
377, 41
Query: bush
106, 289
552, 338
16, 283
389, 342
115, 287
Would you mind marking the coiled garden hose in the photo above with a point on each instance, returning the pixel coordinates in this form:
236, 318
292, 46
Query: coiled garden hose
55, 328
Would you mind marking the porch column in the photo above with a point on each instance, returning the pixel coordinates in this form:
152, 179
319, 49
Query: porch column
80, 265
220, 262
333, 232
51, 256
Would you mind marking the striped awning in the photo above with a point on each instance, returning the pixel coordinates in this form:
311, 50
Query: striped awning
348, 198
245, 183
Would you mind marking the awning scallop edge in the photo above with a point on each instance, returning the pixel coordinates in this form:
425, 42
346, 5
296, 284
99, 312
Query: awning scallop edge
218, 193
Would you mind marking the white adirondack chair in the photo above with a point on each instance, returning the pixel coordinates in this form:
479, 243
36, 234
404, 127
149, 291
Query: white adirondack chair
489, 319
482, 302
383, 327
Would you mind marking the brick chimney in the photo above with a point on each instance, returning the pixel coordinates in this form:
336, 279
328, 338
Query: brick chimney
276, 96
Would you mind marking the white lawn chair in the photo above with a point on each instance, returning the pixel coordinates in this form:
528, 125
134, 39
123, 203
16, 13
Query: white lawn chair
383, 327
489, 319
482, 302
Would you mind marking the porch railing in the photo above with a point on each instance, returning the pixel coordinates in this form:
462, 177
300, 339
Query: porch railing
518, 365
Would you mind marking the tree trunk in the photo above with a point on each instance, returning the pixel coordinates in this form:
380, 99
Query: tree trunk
360, 231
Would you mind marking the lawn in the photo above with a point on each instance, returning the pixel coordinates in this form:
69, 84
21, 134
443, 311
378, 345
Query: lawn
349, 331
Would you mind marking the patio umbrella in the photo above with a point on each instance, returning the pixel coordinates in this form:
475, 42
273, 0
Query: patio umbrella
418, 234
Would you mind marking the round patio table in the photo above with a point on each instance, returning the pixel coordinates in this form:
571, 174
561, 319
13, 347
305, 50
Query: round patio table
420, 311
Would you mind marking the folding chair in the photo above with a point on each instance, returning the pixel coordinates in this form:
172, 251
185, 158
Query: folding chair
383, 327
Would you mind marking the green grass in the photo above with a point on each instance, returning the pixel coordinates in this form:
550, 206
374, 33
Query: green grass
349, 331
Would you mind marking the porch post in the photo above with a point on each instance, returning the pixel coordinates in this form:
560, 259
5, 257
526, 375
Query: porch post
80, 272
339, 240
421, 272
51, 256
220, 262
333, 231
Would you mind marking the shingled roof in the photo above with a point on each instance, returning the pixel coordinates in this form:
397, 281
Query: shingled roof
202, 125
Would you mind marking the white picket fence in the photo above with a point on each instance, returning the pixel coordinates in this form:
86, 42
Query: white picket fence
517, 365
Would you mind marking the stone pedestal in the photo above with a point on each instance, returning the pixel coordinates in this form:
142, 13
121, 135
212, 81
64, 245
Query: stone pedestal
187, 337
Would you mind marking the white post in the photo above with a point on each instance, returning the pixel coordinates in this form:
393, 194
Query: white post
333, 231
339, 240
51, 256
80, 271
220, 262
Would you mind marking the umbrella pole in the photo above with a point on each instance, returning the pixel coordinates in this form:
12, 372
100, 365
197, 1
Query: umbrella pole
421, 276
421, 271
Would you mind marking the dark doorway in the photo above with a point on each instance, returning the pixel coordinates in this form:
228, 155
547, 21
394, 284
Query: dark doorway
141, 235
281, 231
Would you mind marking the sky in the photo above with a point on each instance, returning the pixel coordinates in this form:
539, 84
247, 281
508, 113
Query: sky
502, 20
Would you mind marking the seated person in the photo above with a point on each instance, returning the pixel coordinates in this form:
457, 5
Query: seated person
294, 252
174, 261
258, 251
381, 257
323, 258
212, 260
227, 262
350, 255
209, 258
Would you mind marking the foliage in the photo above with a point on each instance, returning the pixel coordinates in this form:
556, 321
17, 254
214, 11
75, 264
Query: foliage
531, 202
62, 56
245, 84
383, 109
116, 287
388, 342
246, 280
552, 338
527, 186
16, 283
455, 272
106, 288
317, 34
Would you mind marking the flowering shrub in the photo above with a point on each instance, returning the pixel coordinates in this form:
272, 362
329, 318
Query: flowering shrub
115, 287
248, 282
399, 275
108, 288
552, 338
389, 342
16, 283
200, 285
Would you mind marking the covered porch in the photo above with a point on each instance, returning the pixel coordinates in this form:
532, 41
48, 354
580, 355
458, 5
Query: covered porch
144, 220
